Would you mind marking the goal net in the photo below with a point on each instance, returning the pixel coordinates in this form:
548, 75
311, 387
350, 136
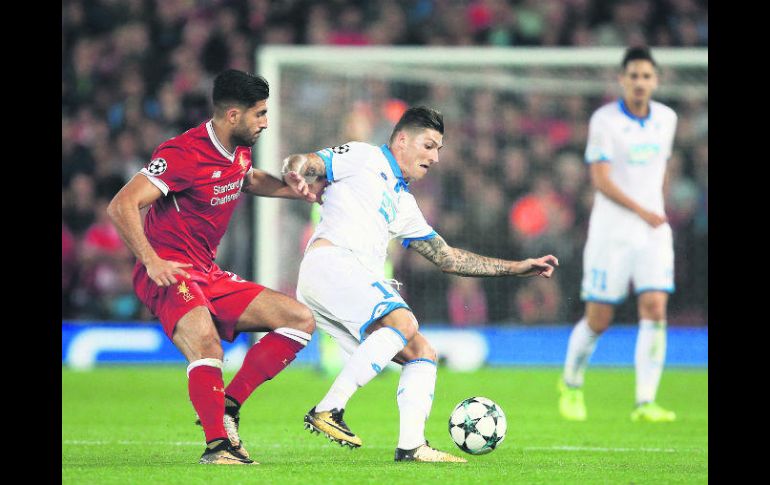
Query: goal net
510, 182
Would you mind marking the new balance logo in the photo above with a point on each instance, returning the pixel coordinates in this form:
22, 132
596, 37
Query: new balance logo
216, 174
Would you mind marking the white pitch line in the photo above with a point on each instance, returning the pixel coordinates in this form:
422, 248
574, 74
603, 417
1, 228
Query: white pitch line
598, 448
189, 443
526, 448
126, 442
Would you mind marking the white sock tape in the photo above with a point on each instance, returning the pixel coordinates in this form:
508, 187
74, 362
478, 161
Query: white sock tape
209, 362
294, 334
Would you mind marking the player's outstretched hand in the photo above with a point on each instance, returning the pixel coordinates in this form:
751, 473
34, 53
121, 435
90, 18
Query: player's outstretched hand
299, 185
162, 272
543, 266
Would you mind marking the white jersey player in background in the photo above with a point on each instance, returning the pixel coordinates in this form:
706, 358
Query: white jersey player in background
629, 239
341, 277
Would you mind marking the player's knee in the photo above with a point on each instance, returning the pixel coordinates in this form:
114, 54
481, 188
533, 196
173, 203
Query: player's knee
652, 309
652, 305
422, 349
599, 324
428, 352
407, 330
654, 312
599, 316
403, 321
305, 320
299, 317
210, 347
418, 348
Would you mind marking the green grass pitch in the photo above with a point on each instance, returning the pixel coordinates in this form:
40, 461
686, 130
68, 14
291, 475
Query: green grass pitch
134, 425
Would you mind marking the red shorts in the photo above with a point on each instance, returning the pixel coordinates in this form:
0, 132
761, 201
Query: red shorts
224, 293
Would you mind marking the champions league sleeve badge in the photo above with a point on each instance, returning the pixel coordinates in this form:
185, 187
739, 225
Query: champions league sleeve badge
157, 166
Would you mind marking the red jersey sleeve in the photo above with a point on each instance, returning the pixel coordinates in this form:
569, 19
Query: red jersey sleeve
172, 169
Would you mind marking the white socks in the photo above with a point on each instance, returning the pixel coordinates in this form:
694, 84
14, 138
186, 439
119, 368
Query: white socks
649, 358
582, 342
415, 387
364, 363
415, 399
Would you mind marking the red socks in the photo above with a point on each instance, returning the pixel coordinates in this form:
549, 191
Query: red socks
208, 396
265, 360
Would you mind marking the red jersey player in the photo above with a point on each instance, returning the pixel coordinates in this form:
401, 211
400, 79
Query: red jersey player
192, 184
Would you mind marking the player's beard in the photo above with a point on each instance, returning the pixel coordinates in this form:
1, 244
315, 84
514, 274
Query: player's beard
244, 138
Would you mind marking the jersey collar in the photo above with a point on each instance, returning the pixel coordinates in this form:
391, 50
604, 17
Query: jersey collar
217, 144
628, 113
400, 184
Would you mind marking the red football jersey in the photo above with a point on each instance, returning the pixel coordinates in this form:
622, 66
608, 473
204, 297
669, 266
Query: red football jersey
201, 183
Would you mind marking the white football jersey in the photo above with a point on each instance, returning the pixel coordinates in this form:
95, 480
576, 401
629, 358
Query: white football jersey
637, 149
368, 203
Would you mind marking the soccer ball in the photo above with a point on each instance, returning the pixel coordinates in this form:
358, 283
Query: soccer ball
477, 425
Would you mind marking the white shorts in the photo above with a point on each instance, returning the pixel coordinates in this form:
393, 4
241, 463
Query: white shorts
344, 296
612, 261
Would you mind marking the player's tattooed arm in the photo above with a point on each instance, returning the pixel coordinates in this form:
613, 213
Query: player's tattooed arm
465, 263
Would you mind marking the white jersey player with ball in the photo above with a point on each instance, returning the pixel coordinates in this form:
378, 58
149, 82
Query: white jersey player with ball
366, 204
629, 240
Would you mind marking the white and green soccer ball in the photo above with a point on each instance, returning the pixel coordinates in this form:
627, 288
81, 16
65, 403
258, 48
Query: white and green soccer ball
477, 425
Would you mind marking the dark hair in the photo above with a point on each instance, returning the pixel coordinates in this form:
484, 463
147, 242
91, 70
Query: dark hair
637, 54
420, 116
238, 87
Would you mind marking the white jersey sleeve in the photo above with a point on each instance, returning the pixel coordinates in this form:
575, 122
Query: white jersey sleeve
344, 160
600, 145
410, 225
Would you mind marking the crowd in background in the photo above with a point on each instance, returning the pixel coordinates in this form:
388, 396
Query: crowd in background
136, 72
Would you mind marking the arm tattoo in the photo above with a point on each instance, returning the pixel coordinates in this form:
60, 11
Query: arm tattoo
459, 261
435, 250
